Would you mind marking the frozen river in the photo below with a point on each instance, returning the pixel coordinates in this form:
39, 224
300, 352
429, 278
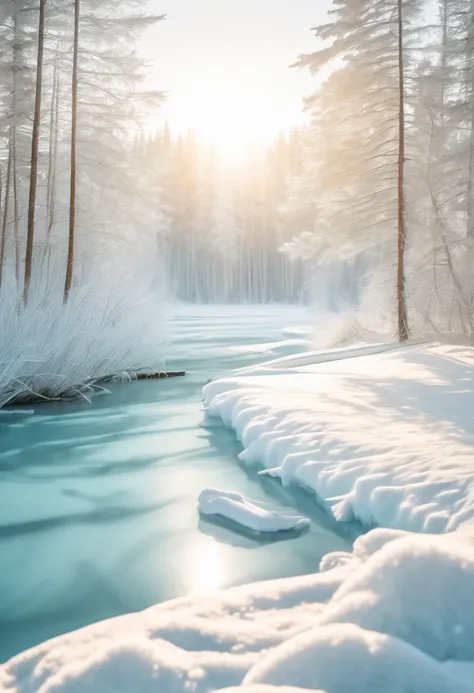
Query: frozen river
98, 501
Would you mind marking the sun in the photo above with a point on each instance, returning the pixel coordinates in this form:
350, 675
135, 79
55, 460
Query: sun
228, 121
232, 130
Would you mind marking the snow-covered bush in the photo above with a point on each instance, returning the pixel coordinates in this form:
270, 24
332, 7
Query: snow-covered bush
112, 323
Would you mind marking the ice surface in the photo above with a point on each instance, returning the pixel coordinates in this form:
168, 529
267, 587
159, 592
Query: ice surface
263, 688
246, 512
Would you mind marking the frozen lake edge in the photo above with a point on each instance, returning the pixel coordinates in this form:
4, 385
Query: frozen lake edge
396, 608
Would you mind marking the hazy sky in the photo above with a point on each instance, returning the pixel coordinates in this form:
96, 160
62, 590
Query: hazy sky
226, 64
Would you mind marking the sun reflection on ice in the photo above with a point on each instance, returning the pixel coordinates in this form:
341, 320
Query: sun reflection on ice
206, 567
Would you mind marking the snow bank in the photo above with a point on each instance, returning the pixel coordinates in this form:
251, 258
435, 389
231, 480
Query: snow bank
368, 660
418, 589
364, 626
385, 438
248, 513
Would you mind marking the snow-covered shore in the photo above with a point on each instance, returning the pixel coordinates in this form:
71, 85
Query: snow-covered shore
387, 438
395, 616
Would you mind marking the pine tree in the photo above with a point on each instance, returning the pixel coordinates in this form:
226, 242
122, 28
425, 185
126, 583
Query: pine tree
361, 121
34, 151
17, 39
73, 172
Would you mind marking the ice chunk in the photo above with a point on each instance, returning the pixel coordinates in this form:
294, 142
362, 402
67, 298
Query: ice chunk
248, 513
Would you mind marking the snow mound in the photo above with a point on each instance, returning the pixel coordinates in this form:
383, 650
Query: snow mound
343, 658
249, 513
386, 438
376, 623
416, 589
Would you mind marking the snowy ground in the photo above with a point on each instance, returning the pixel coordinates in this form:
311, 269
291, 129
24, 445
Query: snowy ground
387, 438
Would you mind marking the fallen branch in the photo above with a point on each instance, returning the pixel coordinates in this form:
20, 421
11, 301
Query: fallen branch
155, 375
73, 394
127, 376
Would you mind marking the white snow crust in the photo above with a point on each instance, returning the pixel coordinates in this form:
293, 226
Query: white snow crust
246, 512
395, 616
386, 438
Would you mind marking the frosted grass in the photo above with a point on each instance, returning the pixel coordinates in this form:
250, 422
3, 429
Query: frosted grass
48, 349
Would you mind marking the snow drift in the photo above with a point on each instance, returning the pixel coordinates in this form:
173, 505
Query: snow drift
355, 628
385, 438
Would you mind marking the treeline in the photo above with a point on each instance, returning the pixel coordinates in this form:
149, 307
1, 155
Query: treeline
389, 167
222, 225
71, 99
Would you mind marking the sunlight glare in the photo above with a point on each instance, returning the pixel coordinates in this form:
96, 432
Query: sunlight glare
232, 132
230, 122
206, 569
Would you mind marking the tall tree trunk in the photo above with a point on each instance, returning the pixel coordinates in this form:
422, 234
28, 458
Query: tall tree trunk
470, 181
16, 214
53, 152
470, 97
5, 212
72, 191
401, 298
51, 144
34, 153
444, 60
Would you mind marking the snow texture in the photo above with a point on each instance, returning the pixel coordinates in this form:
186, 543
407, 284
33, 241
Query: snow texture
249, 513
375, 621
387, 439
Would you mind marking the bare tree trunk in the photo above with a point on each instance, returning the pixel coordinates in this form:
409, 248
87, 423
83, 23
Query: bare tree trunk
53, 152
444, 60
34, 153
16, 215
470, 181
51, 144
16, 234
401, 298
72, 192
5, 212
